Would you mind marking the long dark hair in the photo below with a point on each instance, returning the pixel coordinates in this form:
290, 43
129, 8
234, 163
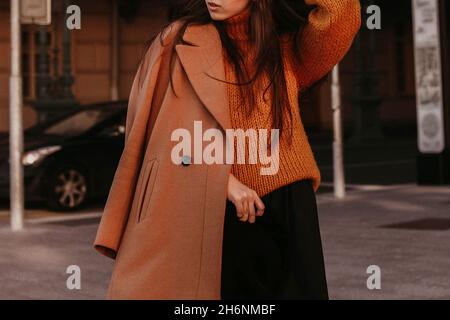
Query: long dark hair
269, 20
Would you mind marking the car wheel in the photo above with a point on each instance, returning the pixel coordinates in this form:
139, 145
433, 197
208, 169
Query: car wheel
68, 189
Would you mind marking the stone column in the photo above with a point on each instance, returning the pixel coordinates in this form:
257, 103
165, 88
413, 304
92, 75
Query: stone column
66, 77
115, 51
43, 79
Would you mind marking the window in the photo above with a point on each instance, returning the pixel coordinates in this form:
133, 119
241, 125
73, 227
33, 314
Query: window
79, 123
115, 129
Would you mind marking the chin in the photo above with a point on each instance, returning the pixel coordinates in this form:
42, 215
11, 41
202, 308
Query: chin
218, 16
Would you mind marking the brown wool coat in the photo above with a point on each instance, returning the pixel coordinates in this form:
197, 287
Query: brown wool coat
163, 222
168, 218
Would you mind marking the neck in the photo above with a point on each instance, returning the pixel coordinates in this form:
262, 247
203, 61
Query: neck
237, 27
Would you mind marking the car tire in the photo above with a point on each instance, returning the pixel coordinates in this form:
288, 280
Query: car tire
67, 188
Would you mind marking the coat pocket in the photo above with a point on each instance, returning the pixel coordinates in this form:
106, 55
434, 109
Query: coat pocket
146, 189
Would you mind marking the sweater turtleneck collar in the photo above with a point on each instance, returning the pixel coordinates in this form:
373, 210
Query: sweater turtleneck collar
237, 27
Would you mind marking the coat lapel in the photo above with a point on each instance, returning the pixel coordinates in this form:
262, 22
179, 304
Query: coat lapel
203, 62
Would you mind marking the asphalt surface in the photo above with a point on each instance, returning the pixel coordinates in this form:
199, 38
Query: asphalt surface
385, 220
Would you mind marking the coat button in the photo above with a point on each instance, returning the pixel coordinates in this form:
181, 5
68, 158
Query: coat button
186, 160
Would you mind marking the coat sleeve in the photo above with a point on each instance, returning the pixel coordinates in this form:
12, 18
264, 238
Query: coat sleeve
327, 37
121, 194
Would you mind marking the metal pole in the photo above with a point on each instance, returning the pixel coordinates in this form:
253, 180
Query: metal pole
15, 120
338, 154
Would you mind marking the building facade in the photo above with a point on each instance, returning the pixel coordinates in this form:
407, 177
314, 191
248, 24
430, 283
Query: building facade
101, 59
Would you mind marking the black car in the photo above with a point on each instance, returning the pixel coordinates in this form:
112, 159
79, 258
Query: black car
70, 159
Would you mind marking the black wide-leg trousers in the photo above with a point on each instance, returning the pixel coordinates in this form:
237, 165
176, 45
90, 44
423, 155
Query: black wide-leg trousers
280, 255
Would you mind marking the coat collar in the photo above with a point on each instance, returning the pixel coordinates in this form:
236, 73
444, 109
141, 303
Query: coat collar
204, 62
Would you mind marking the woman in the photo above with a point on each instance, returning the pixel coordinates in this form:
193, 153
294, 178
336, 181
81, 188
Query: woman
182, 226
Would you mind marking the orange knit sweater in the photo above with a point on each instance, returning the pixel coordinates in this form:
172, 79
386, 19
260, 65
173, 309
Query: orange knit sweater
325, 40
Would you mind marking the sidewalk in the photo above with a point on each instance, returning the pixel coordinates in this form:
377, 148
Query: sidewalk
403, 229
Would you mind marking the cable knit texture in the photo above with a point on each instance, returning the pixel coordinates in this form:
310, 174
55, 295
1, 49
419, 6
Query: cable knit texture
325, 40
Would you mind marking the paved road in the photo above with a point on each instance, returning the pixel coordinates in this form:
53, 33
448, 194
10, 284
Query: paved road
403, 229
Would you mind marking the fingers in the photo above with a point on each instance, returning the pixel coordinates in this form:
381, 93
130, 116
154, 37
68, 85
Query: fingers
260, 207
244, 216
249, 206
239, 208
252, 213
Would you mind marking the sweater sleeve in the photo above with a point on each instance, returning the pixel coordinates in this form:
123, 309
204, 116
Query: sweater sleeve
327, 37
